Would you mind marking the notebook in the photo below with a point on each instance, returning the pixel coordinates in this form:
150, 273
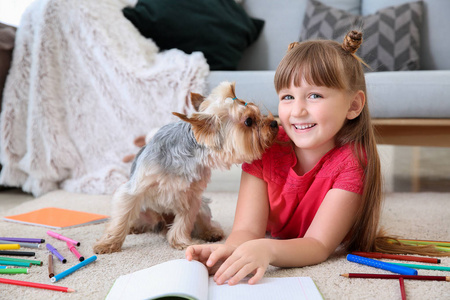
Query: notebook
183, 279
57, 218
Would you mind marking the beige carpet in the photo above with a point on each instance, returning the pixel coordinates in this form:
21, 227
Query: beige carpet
419, 216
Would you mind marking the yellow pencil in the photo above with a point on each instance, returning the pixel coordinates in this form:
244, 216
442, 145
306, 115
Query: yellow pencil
9, 246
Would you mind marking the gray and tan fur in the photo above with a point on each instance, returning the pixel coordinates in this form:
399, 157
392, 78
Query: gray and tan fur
171, 172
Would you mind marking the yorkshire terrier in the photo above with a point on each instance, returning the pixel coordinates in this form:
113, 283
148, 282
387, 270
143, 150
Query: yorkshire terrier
169, 174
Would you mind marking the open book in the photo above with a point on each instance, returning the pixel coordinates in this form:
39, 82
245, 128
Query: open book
185, 279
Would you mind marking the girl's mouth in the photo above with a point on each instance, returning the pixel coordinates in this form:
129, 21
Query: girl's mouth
304, 126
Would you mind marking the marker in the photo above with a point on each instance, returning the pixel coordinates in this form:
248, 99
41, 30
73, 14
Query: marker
25, 240
15, 263
56, 253
30, 261
74, 251
62, 238
17, 253
9, 246
22, 244
51, 273
381, 265
73, 269
14, 271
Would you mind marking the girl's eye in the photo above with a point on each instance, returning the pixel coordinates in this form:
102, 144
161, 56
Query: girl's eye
287, 97
315, 96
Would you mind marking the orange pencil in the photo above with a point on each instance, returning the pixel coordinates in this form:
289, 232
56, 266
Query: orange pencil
37, 285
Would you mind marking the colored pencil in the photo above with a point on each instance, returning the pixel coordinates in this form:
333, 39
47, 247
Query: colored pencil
73, 269
9, 246
395, 276
425, 242
23, 244
14, 271
381, 265
17, 253
402, 288
398, 257
31, 261
25, 240
37, 285
424, 267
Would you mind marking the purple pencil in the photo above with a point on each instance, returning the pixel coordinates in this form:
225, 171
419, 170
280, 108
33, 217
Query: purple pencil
23, 240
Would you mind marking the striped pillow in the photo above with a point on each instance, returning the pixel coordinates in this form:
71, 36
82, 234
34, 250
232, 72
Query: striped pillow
391, 35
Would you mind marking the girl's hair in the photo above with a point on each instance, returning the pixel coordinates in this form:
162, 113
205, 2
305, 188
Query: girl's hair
330, 64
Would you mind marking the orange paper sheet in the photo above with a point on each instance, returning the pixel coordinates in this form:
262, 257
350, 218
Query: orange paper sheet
57, 218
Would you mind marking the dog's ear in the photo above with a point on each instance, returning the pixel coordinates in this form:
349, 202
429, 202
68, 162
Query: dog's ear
196, 100
206, 128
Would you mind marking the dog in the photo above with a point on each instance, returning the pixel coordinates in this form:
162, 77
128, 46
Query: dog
169, 174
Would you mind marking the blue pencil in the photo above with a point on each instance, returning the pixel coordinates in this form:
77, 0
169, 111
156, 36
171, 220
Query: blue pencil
73, 269
381, 265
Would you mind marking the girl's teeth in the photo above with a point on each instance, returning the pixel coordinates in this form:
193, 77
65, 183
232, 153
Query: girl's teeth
303, 126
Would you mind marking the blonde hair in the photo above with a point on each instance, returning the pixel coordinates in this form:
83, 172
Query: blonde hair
330, 64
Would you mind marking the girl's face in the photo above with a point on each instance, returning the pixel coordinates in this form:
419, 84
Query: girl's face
313, 115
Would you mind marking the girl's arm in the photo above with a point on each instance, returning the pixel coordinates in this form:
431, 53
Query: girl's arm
331, 224
250, 223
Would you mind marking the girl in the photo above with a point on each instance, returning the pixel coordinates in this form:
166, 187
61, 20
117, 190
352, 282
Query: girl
320, 185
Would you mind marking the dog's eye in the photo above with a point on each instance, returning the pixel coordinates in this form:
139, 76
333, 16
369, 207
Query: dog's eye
248, 122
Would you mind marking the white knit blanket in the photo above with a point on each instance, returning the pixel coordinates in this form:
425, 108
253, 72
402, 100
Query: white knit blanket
83, 84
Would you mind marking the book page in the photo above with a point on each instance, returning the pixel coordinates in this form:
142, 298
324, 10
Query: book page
180, 277
267, 288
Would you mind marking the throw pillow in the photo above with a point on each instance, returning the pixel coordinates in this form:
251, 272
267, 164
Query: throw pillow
391, 35
221, 29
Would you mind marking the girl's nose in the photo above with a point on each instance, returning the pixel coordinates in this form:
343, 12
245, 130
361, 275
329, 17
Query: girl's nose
299, 108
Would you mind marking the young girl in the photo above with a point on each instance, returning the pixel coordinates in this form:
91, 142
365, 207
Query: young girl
320, 185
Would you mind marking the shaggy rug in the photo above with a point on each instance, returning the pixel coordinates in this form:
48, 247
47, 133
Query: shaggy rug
409, 215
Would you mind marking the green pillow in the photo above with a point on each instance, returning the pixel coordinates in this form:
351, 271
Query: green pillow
221, 29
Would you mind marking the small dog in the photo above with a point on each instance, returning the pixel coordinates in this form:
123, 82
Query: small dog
170, 173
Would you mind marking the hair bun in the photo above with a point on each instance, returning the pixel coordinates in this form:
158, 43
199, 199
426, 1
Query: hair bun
292, 45
352, 41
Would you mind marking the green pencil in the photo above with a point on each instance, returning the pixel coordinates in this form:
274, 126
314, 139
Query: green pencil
31, 261
426, 267
14, 271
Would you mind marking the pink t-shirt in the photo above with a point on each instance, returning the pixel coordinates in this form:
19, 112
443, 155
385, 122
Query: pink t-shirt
294, 200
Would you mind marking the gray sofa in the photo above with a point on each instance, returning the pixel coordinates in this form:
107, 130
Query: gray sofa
408, 107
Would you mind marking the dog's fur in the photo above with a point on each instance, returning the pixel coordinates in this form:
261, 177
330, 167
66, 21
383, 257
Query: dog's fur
170, 173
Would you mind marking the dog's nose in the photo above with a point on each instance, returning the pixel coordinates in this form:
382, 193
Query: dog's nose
274, 124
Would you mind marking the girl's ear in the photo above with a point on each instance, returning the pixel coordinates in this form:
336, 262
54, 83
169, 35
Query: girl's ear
358, 102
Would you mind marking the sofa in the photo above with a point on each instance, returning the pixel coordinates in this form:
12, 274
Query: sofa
408, 107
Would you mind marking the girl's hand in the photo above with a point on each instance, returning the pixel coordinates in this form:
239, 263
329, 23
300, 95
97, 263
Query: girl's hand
212, 256
250, 257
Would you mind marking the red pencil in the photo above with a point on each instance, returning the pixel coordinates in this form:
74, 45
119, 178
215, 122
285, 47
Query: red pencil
402, 288
398, 257
395, 276
37, 285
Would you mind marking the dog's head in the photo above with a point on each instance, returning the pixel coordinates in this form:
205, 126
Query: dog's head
233, 129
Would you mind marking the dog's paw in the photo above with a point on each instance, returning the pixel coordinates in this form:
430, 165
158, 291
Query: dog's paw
213, 235
180, 244
104, 246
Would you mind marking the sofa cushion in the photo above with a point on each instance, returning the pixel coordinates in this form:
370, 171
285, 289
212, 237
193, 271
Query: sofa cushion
391, 35
435, 46
283, 20
221, 29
